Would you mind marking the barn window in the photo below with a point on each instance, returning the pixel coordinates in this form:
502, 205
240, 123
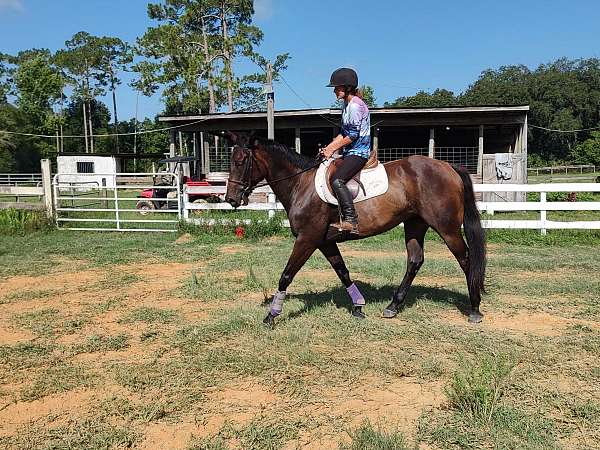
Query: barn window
85, 167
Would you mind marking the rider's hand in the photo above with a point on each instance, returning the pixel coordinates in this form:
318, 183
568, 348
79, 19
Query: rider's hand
326, 152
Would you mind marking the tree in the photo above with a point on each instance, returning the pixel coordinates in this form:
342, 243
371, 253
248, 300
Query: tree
5, 80
81, 62
438, 99
38, 87
114, 56
588, 152
199, 42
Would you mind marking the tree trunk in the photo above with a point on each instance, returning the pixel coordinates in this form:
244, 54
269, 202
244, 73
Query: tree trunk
85, 133
228, 74
91, 127
212, 105
114, 99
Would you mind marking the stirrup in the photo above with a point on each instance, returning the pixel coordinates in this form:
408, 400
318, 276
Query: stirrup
345, 226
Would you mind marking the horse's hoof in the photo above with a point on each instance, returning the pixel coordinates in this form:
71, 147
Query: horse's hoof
269, 321
389, 313
358, 313
475, 317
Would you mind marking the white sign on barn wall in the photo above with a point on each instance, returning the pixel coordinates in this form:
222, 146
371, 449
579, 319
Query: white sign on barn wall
87, 171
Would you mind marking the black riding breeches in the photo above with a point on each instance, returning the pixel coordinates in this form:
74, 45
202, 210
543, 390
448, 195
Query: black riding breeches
351, 165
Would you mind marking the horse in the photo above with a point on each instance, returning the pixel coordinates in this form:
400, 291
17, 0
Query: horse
422, 193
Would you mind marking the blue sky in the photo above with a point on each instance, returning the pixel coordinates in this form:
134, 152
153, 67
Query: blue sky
398, 47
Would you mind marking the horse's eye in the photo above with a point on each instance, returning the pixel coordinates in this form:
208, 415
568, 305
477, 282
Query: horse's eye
239, 163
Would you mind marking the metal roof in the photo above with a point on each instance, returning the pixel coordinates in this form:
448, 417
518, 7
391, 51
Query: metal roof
337, 112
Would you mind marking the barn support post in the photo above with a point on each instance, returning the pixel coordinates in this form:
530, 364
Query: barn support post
298, 142
376, 139
480, 157
432, 143
47, 186
172, 150
197, 162
203, 148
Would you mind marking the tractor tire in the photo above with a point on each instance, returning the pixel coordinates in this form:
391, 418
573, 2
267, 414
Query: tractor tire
145, 207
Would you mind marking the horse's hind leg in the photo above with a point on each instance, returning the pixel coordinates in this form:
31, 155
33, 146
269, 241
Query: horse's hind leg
414, 237
455, 242
333, 255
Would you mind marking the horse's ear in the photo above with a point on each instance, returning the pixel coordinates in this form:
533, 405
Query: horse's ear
232, 138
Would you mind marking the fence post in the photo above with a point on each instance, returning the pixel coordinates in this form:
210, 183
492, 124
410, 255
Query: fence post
117, 206
271, 199
186, 199
543, 214
47, 186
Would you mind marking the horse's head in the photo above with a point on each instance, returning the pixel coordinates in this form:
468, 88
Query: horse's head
244, 172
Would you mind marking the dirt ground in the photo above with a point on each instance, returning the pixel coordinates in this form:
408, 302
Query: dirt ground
69, 294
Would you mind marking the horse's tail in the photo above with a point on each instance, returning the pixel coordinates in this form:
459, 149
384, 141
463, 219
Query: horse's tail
474, 233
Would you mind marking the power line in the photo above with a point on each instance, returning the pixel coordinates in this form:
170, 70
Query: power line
564, 131
158, 130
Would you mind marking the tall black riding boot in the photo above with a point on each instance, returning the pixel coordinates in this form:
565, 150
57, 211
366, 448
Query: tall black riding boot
349, 219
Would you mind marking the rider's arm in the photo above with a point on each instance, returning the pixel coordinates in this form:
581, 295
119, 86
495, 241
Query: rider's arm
338, 143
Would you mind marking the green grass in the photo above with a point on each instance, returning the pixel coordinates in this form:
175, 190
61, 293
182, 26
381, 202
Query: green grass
150, 315
56, 378
89, 434
98, 343
477, 389
317, 351
368, 438
21, 222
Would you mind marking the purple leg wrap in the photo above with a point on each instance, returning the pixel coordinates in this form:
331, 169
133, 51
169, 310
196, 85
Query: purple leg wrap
355, 295
277, 303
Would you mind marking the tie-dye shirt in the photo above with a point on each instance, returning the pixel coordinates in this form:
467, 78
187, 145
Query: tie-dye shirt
356, 124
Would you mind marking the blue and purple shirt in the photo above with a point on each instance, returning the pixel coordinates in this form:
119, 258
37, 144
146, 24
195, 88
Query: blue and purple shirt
356, 124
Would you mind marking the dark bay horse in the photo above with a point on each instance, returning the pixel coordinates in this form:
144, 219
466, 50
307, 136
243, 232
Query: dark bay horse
423, 193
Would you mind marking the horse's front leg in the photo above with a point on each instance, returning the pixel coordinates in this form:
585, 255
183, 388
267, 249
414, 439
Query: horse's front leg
333, 255
302, 250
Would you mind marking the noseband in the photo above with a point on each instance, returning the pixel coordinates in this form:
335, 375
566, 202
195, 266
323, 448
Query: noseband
246, 181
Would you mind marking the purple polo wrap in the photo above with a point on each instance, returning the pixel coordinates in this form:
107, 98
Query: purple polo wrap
277, 303
355, 295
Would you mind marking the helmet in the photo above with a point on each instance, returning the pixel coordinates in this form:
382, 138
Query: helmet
343, 77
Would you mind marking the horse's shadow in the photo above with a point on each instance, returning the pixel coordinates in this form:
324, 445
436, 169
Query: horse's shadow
381, 295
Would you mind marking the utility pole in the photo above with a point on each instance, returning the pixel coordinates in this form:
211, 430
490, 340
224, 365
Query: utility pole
270, 103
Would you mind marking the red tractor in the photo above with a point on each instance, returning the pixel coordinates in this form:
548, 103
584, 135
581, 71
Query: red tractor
164, 193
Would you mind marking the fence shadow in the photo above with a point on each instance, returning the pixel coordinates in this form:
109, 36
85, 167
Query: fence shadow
381, 295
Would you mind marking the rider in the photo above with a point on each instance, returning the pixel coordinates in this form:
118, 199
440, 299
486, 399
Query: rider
354, 141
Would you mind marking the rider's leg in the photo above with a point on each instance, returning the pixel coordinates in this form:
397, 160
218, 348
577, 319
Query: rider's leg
350, 166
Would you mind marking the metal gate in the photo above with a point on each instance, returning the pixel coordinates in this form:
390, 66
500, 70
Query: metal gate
117, 201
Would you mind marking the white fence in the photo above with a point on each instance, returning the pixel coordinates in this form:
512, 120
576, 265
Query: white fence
27, 191
91, 207
581, 169
17, 179
542, 206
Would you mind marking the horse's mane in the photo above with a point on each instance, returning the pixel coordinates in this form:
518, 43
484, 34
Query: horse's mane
282, 151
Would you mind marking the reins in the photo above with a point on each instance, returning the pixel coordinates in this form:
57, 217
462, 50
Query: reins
247, 188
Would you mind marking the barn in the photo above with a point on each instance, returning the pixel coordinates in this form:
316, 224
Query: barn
490, 141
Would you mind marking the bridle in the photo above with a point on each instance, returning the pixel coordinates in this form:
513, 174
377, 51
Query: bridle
246, 181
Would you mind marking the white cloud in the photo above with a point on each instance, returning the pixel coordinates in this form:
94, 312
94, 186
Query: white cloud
263, 9
15, 5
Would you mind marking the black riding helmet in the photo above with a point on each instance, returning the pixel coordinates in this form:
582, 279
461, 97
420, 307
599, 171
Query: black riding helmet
344, 77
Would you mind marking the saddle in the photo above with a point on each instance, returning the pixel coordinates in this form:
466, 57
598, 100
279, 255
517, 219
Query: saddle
370, 182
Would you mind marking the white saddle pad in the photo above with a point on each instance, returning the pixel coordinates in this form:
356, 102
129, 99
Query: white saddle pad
374, 180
